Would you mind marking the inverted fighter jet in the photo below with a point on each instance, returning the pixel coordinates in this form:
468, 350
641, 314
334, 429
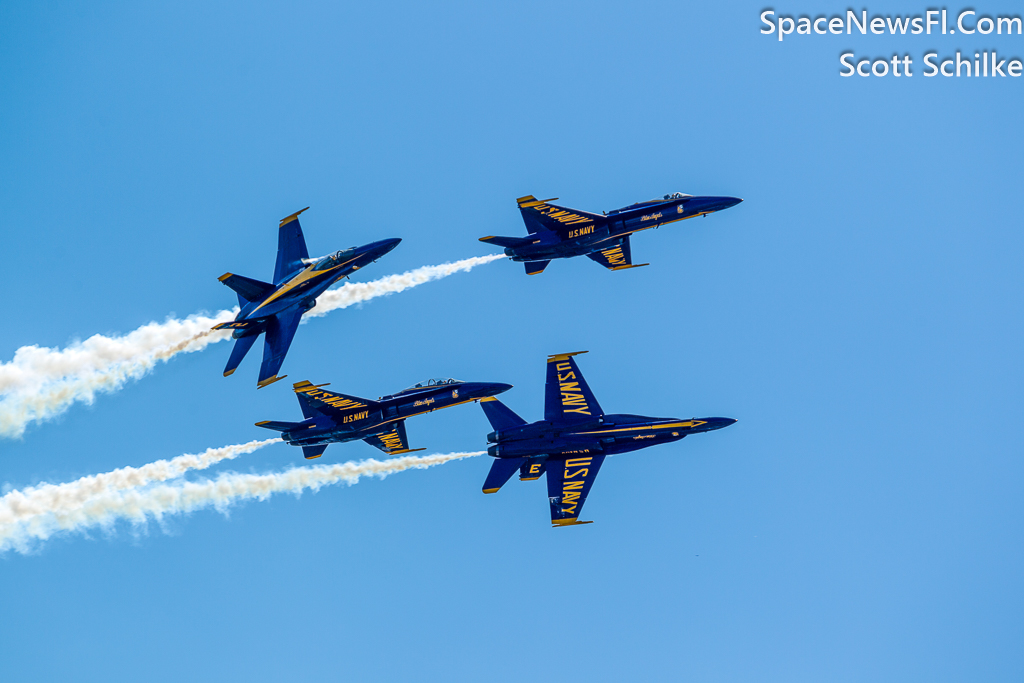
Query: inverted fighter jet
572, 441
336, 418
558, 232
277, 307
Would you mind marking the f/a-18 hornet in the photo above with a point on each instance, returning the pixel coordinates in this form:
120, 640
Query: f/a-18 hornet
558, 232
572, 441
277, 307
336, 418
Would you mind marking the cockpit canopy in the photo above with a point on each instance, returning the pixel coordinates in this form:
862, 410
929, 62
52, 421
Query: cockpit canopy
434, 382
329, 261
673, 196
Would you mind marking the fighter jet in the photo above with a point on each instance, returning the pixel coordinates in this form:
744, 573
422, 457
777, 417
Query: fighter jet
558, 232
277, 307
336, 418
572, 441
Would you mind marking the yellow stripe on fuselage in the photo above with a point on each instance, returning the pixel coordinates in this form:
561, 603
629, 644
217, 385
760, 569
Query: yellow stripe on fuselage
305, 276
667, 425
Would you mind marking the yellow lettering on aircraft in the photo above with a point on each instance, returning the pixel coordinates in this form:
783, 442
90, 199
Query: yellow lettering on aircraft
392, 441
651, 217
355, 416
572, 490
535, 468
615, 256
561, 215
579, 232
573, 400
330, 399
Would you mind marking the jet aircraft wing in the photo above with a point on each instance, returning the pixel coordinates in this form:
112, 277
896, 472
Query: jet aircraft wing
280, 332
616, 255
566, 394
394, 442
291, 248
569, 483
539, 215
315, 401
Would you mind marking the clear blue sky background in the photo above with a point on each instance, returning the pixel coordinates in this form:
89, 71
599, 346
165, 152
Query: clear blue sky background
859, 313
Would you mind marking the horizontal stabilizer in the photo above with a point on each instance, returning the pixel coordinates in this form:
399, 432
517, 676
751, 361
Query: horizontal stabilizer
246, 288
502, 470
499, 415
310, 452
513, 242
278, 426
536, 267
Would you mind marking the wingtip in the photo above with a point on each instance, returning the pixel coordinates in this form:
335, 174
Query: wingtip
268, 381
228, 373
288, 219
407, 450
572, 521
225, 276
490, 490
563, 356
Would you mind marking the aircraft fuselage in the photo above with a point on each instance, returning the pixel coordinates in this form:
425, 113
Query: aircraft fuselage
360, 422
609, 435
582, 235
301, 289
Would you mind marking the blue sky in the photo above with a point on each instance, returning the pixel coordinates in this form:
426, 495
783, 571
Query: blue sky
859, 313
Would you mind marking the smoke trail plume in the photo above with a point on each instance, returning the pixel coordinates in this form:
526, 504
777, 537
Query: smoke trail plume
153, 502
358, 292
19, 506
40, 383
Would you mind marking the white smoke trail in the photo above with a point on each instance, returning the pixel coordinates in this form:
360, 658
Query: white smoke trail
140, 505
358, 292
18, 506
40, 383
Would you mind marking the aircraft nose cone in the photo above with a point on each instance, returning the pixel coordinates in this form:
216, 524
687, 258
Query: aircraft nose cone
719, 203
378, 249
720, 422
484, 389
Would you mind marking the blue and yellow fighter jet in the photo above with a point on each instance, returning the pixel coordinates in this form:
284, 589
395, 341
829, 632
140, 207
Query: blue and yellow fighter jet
336, 418
558, 232
276, 308
572, 441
